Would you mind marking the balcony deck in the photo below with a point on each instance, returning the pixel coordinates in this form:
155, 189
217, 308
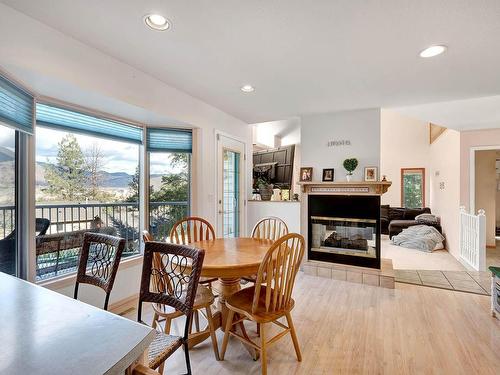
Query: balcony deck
58, 249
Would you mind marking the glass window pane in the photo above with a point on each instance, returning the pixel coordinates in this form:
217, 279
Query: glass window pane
231, 193
8, 254
83, 183
413, 187
169, 191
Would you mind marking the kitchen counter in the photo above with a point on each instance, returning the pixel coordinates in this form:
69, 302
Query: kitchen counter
44, 332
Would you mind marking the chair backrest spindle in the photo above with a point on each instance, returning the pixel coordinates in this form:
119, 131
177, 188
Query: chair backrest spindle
191, 229
270, 228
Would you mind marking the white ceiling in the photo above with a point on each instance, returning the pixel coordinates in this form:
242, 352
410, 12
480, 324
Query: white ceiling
302, 56
467, 114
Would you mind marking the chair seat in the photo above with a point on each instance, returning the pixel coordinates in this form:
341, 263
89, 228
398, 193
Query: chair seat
241, 302
161, 348
204, 297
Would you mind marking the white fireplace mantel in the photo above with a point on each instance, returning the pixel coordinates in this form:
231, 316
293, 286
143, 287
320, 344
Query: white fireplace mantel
345, 187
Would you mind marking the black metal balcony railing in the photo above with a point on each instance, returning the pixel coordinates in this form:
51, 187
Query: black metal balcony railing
58, 249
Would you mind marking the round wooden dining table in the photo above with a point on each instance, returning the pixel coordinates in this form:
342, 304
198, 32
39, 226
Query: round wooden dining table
230, 259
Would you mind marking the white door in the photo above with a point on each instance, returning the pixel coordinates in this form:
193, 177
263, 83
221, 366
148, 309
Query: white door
230, 186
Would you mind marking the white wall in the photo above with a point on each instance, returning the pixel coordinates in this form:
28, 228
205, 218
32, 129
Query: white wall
445, 186
404, 143
360, 127
289, 212
50, 63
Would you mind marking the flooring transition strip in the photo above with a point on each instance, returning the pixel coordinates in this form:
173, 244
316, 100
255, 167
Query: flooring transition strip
460, 281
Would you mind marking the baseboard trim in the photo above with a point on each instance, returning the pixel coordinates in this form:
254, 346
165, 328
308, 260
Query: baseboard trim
119, 307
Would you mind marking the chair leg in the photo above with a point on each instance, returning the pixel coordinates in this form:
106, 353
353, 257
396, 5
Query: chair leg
213, 336
155, 321
168, 323
161, 367
186, 354
197, 320
294, 336
258, 329
229, 323
263, 353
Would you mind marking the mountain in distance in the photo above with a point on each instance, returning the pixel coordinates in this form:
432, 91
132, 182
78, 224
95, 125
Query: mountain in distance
108, 179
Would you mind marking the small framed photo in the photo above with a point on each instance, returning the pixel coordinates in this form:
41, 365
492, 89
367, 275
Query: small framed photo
306, 174
371, 173
328, 175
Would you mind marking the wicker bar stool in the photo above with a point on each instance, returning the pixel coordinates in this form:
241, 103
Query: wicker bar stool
179, 272
99, 260
202, 302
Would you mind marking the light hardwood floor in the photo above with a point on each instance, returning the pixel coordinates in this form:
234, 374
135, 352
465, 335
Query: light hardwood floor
346, 328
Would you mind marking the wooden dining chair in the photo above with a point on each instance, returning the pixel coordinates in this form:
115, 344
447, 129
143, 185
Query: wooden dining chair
267, 228
202, 302
179, 271
192, 229
270, 228
99, 260
267, 303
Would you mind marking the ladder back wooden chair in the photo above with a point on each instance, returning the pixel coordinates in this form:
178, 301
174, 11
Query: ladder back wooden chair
99, 260
270, 298
179, 273
203, 300
192, 229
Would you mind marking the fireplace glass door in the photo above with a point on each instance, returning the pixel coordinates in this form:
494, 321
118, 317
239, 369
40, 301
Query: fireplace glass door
347, 236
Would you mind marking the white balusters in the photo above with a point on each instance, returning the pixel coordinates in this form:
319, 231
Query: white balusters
473, 239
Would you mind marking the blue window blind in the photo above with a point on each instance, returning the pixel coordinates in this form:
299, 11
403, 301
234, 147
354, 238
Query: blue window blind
16, 106
60, 118
169, 140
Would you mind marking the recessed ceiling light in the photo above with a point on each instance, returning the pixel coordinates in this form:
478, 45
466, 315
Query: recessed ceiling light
247, 88
157, 22
433, 51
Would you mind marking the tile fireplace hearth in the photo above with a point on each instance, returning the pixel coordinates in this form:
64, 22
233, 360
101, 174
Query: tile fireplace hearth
341, 223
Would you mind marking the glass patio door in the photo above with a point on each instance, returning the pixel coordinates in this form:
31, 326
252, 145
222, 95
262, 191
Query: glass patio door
230, 182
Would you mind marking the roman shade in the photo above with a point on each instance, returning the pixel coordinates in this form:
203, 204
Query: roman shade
70, 120
16, 106
169, 140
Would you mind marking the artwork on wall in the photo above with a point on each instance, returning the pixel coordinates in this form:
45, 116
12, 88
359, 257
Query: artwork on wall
328, 175
371, 173
306, 174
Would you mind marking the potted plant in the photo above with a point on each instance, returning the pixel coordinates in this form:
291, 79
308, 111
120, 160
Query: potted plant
265, 189
350, 165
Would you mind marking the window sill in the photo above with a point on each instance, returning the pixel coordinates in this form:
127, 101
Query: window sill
68, 280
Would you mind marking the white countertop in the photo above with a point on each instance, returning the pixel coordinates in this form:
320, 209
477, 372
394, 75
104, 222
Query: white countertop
44, 332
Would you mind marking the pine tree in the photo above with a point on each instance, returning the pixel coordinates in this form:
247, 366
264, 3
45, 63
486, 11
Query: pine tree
66, 179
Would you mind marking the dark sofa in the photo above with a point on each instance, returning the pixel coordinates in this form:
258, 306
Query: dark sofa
394, 219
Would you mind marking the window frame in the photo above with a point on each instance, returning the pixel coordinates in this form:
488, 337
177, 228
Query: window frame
422, 171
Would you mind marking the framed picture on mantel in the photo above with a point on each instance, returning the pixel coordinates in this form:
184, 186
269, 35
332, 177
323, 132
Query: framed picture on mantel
371, 174
306, 174
328, 175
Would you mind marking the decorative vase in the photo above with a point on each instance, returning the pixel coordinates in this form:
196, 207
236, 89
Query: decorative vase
348, 177
266, 192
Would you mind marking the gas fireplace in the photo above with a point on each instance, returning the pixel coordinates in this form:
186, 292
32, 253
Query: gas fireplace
344, 229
